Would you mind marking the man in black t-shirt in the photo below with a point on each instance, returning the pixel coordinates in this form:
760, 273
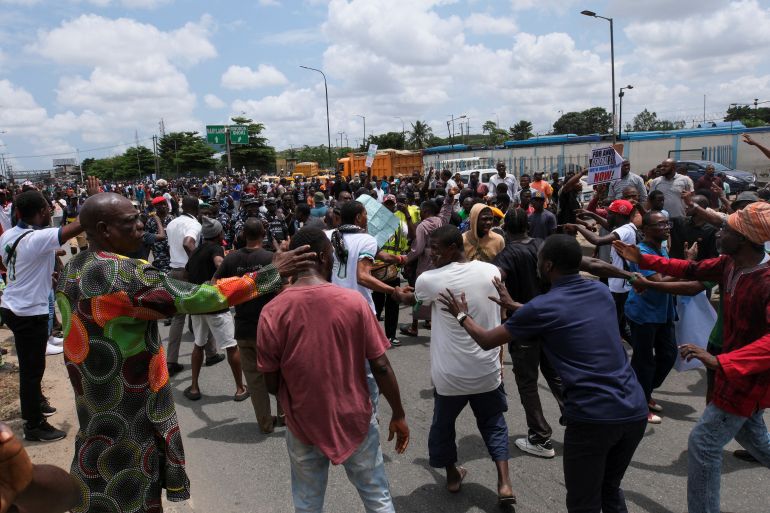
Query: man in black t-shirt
518, 267
253, 257
201, 266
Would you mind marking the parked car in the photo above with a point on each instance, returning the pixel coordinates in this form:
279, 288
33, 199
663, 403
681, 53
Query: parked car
738, 181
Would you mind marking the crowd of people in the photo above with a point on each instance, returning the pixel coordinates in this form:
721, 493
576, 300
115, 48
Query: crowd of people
288, 282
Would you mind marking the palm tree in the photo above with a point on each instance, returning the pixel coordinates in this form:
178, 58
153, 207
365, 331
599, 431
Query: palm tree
522, 130
419, 135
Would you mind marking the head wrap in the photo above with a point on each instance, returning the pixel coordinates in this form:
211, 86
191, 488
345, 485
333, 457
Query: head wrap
753, 222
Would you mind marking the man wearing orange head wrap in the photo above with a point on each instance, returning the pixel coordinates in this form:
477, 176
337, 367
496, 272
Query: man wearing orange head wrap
742, 382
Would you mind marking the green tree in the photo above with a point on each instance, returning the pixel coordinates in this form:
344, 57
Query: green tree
647, 121
595, 120
257, 155
748, 116
522, 130
494, 136
394, 140
185, 152
419, 135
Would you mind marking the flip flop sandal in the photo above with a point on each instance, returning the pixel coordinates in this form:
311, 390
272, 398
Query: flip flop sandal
407, 330
242, 397
193, 396
507, 503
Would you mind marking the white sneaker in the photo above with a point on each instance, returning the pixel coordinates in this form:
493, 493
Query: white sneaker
542, 450
56, 341
653, 419
52, 350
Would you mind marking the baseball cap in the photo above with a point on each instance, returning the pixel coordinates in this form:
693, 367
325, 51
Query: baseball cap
158, 200
389, 197
623, 207
538, 195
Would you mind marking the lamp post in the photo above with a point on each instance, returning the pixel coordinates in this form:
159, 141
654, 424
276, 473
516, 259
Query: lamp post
363, 141
621, 94
328, 127
612, 61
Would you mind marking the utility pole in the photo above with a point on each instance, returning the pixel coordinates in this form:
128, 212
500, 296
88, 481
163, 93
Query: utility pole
80, 165
363, 142
155, 153
227, 143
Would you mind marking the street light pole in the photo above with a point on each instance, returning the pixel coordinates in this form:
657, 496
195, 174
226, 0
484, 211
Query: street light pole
612, 63
452, 121
363, 141
328, 126
621, 94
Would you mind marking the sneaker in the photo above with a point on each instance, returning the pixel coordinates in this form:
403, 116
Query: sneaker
51, 350
46, 408
214, 359
43, 432
653, 406
394, 342
653, 419
540, 449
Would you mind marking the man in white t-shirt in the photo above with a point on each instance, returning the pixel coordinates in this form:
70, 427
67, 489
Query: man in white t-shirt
619, 217
507, 179
28, 254
183, 234
461, 371
355, 252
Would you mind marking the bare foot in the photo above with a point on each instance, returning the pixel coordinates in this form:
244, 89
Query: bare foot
454, 478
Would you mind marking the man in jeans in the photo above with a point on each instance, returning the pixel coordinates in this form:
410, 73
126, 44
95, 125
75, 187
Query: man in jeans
24, 305
312, 342
183, 233
742, 380
604, 407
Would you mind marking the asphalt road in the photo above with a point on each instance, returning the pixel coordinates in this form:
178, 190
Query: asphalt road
234, 468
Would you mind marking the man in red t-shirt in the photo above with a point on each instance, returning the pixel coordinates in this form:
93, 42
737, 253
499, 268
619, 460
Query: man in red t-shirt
313, 356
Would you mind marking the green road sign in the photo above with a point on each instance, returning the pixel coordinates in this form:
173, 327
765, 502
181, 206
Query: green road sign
215, 134
239, 134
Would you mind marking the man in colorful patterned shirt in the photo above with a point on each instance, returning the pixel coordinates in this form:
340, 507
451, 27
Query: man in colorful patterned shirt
129, 445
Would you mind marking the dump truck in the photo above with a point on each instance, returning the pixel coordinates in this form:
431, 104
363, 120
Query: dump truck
386, 163
307, 169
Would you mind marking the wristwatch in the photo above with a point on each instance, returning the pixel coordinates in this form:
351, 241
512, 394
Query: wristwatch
461, 317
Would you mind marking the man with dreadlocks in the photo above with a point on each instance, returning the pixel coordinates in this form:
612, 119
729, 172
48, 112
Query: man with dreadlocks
354, 255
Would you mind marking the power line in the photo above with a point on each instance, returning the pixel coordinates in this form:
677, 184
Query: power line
82, 151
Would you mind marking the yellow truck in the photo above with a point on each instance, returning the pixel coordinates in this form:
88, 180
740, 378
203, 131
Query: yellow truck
386, 163
307, 169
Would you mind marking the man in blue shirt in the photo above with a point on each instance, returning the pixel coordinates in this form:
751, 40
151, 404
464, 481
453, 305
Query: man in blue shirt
650, 317
604, 406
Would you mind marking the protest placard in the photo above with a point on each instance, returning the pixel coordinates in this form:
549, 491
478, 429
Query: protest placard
381, 223
604, 166
370, 154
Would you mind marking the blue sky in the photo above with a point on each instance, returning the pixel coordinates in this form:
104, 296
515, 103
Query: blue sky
86, 74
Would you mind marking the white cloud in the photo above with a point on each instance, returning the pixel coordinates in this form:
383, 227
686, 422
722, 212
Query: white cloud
705, 42
132, 77
269, 3
92, 40
482, 23
18, 109
243, 77
19, 2
213, 101
131, 4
